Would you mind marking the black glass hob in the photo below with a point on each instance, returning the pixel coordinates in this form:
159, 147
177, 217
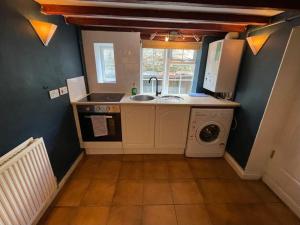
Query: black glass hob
103, 97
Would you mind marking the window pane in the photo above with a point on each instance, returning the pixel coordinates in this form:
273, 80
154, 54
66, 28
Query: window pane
173, 87
150, 87
181, 77
176, 54
105, 62
176, 71
188, 55
153, 64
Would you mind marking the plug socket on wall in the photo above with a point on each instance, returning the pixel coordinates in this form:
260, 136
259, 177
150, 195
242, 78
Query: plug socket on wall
54, 93
63, 90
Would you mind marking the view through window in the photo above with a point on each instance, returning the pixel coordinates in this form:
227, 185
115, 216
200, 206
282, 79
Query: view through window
174, 69
105, 62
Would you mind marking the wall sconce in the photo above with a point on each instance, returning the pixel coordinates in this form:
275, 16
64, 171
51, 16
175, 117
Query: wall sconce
44, 30
257, 42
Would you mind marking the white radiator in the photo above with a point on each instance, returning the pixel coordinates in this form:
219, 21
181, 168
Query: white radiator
27, 183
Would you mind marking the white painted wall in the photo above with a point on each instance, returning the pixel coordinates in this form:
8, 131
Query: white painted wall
284, 93
127, 59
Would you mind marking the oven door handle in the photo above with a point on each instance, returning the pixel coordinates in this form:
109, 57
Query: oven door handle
106, 117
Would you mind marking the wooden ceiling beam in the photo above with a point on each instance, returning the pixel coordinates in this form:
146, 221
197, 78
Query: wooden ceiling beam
256, 4
153, 14
149, 31
176, 39
86, 21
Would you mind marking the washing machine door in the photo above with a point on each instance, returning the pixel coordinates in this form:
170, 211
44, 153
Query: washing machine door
209, 133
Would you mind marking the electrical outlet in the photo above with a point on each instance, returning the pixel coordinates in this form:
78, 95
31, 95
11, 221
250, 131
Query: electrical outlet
53, 93
63, 90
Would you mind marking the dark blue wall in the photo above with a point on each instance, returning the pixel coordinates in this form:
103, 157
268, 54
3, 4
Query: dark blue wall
26, 66
255, 81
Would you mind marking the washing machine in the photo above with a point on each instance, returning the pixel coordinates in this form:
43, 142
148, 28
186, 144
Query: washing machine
208, 132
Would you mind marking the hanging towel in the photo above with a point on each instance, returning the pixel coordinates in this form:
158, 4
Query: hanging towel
99, 126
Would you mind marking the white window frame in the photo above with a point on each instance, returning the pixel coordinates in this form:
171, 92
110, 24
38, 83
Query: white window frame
99, 59
165, 80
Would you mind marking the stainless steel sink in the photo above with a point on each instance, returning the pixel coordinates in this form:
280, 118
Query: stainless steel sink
171, 97
142, 97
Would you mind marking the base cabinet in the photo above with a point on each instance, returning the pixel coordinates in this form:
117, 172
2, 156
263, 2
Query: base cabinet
138, 126
171, 126
154, 129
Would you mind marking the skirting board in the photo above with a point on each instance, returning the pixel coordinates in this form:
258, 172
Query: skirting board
243, 174
282, 195
59, 187
103, 151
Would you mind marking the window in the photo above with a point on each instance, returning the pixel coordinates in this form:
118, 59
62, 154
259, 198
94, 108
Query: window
105, 62
174, 69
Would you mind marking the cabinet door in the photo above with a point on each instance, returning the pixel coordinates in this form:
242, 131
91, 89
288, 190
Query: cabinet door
138, 126
171, 126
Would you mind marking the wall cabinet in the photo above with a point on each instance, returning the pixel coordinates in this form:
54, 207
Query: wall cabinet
171, 126
138, 126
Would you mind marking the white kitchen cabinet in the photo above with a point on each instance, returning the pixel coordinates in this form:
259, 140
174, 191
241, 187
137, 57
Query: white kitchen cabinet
171, 127
138, 126
222, 66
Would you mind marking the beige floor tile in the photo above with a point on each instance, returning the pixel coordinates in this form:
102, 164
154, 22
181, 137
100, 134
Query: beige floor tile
258, 214
263, 191
225, 214
214, 190
129, 192
90, 216
283, 214
59, 216
87, 168
186, 192
224, 170
203, 168
168, 180
125, 215
179, 169
212, 168
132, 170
73, 192
113, 157
160, 157
94, 158
133, 158
192, 215
99, 192
108, 169
155, 170
159, 215
239, 192
157, 192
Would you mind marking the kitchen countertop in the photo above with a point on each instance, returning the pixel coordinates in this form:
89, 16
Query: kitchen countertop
207, 101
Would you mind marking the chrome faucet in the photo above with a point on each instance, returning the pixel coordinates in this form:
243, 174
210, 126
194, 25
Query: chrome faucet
156, 92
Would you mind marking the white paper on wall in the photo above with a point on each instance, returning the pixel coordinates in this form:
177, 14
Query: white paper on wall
77, 88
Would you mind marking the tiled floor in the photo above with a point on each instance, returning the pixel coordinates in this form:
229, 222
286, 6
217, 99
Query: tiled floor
163, 190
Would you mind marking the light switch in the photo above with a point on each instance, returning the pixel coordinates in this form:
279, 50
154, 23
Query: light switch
53, 93
63, 90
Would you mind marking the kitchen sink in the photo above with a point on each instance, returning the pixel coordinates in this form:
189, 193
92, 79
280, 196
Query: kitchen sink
171, 97
142, 98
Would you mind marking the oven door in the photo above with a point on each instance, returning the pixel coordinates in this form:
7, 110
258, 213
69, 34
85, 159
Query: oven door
113, 121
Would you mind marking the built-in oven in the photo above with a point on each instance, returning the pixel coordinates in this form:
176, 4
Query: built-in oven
112, 117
